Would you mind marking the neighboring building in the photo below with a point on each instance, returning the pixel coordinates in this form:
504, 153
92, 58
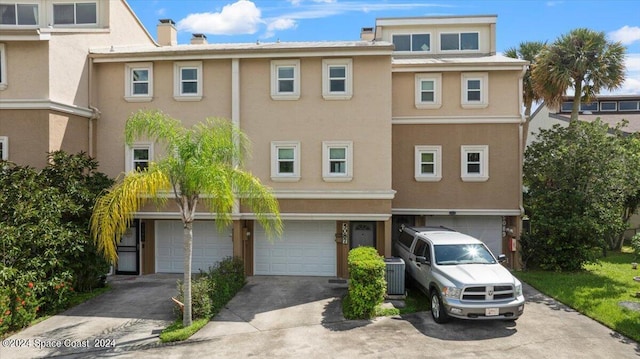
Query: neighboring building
417, 122
610, 109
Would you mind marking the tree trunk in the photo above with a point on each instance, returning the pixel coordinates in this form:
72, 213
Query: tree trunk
186, 284
576, 100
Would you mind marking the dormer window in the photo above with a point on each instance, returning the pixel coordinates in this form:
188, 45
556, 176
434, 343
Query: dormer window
412, 42
459, 41
19, 14
79, 13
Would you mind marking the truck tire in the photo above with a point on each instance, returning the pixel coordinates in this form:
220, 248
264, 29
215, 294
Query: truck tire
438, 311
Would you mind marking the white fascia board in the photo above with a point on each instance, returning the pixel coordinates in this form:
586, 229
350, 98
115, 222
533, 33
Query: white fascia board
45, 105
327, 216
455, 120
457, 68
295, 194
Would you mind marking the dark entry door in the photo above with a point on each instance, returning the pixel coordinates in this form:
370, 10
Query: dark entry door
129, 250
363, 234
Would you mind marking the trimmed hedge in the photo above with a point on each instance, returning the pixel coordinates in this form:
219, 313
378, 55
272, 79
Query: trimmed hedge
211, 290
367, 283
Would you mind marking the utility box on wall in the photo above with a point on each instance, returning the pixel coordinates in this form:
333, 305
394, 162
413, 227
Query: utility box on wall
394, 276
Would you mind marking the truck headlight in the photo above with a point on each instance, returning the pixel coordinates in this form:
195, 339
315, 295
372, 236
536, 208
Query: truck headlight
452, 292
518, 290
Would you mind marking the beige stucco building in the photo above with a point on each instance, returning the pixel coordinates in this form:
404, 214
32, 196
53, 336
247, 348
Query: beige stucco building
418, 122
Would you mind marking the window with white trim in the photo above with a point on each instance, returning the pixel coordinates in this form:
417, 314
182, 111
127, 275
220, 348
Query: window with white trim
337, 161
3, 68
76, 13
475, 90
428, 93
19, 14
412, 42
337, 81
428, 163
4, 148
285, 79
285, 161
138, 82
138, 156
187, 81
459, 41
474, 163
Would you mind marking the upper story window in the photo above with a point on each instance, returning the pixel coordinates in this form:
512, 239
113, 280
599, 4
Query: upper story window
607, 106
4, 148
428, 91
19, 14
285, 161
337, 82
474, 162
77, 13
139, 82
428, 163
629, 105
337, 161
138, 156
475, 90
412, 42
187, 81
459, 41
285, 79
3, 68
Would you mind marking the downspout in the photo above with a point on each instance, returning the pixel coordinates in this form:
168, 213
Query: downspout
235, 110
96, 113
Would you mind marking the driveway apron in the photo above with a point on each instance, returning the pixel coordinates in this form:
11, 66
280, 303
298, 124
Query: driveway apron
129, 316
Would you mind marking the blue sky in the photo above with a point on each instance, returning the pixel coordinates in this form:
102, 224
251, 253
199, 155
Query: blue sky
226, 21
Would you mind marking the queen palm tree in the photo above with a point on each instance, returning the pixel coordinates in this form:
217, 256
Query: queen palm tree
201, 164
527, 51
584, 60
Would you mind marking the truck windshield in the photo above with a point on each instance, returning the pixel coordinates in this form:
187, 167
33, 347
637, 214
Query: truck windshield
451, 254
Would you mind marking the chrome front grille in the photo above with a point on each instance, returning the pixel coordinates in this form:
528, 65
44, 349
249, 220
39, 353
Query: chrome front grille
488, 293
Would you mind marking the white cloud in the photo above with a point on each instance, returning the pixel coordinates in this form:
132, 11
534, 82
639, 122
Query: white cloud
279, 25
241, 17
632, 82
161, 12
626, 34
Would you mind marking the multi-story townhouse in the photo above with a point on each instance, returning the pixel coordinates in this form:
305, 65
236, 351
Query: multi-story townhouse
457, 116
45, 72
417, 122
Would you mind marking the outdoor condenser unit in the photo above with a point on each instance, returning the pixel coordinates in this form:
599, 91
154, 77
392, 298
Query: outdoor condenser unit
395, 276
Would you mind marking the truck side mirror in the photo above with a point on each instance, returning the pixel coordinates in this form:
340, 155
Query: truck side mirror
502, 258
422, 260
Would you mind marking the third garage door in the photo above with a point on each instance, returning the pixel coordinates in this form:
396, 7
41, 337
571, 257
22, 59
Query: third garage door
306, 248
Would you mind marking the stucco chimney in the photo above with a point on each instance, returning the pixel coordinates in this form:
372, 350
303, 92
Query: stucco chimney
167, 33
199, 39
367, 34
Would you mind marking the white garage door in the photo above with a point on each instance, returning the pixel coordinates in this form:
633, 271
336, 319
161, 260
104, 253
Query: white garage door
486, 228
209, 246
306, 248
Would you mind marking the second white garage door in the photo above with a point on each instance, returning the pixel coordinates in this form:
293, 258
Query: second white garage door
486, 228
306, 248
209, 246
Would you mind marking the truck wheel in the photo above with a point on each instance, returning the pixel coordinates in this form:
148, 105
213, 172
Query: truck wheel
438, 311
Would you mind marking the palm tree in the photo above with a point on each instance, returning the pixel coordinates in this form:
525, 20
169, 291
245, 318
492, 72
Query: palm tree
202, 163
527, 51
582, 59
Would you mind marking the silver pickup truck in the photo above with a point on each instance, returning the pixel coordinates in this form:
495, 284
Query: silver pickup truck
459, 274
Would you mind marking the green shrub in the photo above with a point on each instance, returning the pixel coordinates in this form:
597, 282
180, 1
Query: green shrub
225, 278
635, 244
367, 283
213, 289
200, 299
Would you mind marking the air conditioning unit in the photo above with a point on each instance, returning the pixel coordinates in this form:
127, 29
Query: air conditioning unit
394, 276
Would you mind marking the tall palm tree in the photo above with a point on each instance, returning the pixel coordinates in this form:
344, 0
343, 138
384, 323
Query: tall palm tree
582, 59
527, 51
201, 164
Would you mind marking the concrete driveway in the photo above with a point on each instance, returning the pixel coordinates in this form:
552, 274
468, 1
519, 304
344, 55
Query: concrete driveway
131, 315
300, 317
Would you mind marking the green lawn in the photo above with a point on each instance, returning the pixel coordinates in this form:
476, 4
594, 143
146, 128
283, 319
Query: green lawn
596, 291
